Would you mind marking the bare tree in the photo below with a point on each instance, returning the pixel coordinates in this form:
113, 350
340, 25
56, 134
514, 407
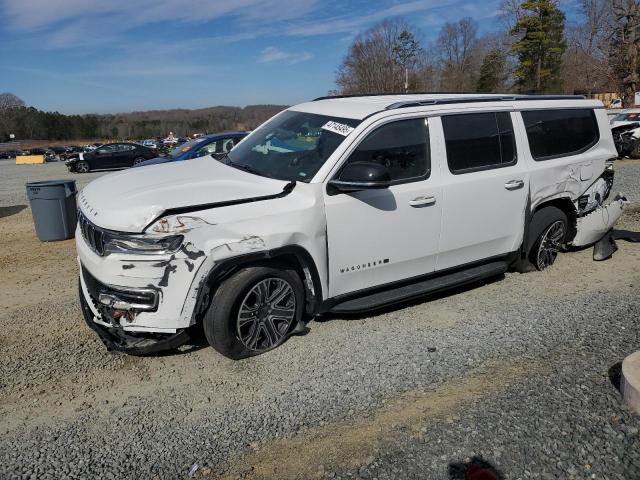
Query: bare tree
9, 100
373, 65
625, 42
585, 62
458, 47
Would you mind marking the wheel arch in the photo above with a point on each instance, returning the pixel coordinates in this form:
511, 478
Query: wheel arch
293, 256
568, 208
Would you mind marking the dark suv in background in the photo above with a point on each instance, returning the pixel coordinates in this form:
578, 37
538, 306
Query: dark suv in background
111, 156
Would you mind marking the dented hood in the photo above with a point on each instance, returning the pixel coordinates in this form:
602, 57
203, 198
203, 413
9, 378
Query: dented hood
129, 200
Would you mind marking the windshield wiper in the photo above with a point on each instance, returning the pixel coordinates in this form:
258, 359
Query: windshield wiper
241, 166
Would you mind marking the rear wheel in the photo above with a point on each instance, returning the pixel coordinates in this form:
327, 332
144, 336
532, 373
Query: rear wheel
549, 228
82, 167
254, 311
139, 160
635, 153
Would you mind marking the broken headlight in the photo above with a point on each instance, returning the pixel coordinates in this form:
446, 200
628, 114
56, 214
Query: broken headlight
142, 245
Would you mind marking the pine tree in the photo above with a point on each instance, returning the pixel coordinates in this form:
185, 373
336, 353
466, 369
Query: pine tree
492, 72
540, 48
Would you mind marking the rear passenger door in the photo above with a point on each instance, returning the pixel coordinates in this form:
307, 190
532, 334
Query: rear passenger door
485, 188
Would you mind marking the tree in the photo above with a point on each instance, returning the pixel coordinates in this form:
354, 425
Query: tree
9, 100
540, 47
624, 59
377, 58
405, 52
585, 65
493, 72
457, 44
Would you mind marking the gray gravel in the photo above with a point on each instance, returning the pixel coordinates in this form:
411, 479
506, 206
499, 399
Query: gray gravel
14, 177
517, 369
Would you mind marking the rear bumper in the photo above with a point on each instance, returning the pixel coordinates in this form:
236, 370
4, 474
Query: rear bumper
593, 226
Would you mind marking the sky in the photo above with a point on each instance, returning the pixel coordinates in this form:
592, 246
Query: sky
105, 56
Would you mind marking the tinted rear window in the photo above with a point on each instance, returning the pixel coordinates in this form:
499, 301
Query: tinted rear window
479, 141
558, 133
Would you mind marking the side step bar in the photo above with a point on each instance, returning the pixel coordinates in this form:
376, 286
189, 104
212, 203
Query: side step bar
384, 298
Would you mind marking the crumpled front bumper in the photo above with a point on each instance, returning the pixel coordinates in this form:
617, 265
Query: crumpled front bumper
115, 338
595, 225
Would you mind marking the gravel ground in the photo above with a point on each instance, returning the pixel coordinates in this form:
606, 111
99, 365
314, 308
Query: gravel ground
12, 189
519, 373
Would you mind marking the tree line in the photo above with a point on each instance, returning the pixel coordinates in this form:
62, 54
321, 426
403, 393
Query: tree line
30, 123
535, 51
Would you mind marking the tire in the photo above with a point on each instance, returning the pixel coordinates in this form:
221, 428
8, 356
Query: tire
82, 167
548, 231
635, 152
139, 160
238, 299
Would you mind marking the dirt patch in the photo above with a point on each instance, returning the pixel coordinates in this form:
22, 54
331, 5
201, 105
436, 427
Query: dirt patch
351, 444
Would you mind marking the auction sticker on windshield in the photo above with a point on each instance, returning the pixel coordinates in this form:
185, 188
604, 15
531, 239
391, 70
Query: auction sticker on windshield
339, 128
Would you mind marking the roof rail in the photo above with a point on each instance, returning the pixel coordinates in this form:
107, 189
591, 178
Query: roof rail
506, 98
392, 94
445, 101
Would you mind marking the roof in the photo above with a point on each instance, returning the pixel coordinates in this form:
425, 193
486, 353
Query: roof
360, 107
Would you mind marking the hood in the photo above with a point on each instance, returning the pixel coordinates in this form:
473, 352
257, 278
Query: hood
130, 200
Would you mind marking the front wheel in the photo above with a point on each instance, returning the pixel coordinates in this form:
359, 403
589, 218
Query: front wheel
139, 160
82, 167
254, 311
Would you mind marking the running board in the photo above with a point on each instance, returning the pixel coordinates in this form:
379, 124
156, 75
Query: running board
432, 285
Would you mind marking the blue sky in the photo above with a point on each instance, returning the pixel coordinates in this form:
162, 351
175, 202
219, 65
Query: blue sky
81, 56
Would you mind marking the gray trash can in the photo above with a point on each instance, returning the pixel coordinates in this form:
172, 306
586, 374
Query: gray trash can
53, 206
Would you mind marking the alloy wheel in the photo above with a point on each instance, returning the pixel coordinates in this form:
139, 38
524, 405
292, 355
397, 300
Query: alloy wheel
550, 244
82, 167
266, 314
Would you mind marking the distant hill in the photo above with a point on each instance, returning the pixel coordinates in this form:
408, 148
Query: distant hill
184, 122
31, 123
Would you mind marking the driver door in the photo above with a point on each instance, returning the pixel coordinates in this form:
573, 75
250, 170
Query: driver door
380, 236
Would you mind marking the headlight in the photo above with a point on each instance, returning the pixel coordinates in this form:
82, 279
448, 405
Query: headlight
142, 245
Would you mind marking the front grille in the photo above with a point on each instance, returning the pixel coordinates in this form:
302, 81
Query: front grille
93, 235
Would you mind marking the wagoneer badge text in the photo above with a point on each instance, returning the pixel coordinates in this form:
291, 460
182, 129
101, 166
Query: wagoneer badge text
364, 266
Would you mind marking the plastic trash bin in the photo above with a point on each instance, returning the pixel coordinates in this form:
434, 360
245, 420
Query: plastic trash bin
53, 206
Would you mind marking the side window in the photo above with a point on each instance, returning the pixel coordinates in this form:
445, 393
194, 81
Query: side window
106, 149
557, 133
402, 146
479, 141
213, 147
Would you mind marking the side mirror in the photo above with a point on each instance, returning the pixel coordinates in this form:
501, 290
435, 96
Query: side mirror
359, 176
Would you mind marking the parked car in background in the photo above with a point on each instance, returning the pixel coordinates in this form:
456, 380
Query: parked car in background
151, 143
71, 152
37, 151
628, 116
215, 144
110, 156
627, 139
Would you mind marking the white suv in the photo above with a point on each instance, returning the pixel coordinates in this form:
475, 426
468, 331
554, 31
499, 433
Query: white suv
342, 204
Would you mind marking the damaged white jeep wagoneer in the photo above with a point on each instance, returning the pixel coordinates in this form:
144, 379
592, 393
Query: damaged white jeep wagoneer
342, 204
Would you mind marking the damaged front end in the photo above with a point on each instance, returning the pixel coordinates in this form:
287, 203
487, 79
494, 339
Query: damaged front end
595, 219
107, 309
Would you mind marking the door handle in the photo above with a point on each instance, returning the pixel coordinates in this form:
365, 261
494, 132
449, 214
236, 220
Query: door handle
514, 184
422, 201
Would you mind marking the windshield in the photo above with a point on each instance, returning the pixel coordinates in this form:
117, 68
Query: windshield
292, 145
184, 147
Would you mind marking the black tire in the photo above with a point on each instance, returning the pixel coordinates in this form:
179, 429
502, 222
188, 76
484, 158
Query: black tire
635, 152
221, 322
82, 167
139, 160
548, 225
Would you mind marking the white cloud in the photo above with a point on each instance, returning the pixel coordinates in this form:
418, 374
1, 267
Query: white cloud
273, 54
73, 21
